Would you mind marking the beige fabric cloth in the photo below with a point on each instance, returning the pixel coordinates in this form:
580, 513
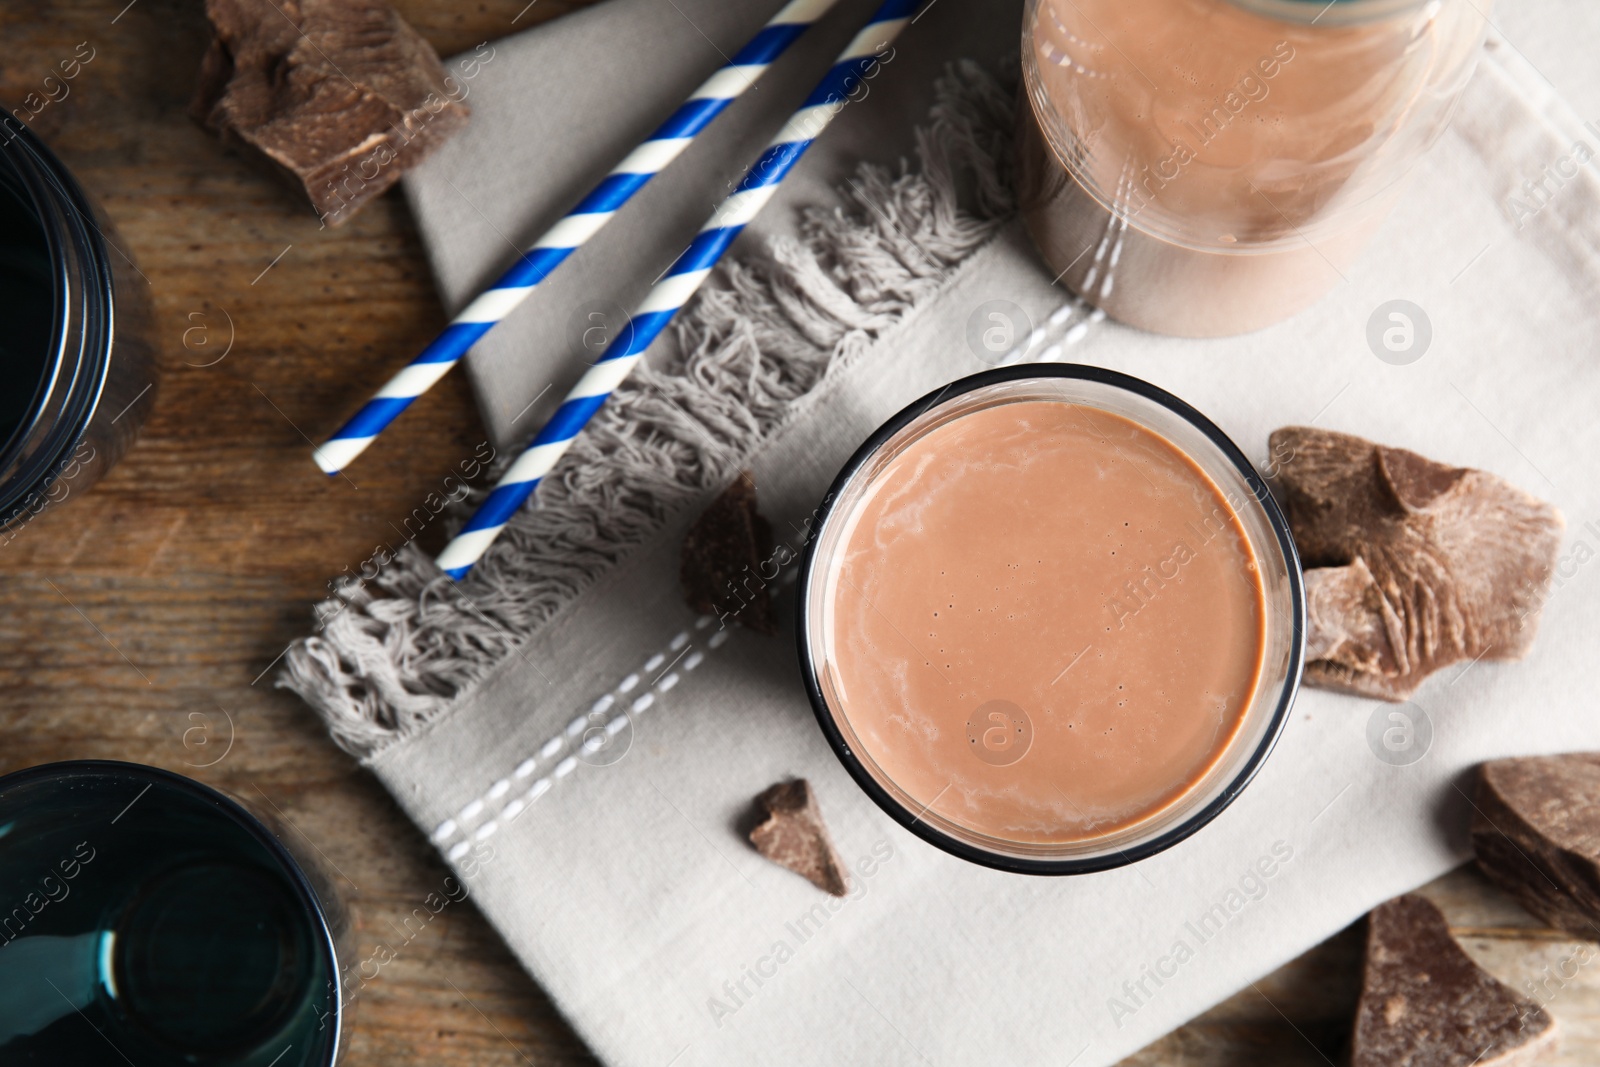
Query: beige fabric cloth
625, 888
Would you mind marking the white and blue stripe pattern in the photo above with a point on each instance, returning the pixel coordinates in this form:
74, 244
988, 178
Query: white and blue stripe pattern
682, 279
581, 223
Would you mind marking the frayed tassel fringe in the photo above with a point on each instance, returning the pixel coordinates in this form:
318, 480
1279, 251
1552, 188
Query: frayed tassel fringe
394, 652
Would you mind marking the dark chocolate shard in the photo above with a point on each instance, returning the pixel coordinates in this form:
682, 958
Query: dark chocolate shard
1536, 834
1425, 1003
727, 561
793, 835
1411, 565
339, 97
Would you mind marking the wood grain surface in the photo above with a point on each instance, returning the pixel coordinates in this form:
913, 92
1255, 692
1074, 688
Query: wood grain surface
140, 620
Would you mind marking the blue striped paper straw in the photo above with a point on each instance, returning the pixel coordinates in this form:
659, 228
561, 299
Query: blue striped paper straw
687, 273
581, 223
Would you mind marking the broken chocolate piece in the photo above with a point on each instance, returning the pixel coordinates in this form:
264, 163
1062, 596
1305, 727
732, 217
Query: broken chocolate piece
340, 97
1410, 565
1536, 834
1425, 1003
727, 563
793, 835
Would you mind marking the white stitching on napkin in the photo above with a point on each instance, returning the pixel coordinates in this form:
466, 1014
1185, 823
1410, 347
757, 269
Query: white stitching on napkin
1053, 354
683, 651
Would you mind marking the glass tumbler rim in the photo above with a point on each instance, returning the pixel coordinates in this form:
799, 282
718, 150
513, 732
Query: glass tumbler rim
914, 821
241, 816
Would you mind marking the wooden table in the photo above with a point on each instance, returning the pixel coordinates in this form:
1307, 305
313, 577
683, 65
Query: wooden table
142, 620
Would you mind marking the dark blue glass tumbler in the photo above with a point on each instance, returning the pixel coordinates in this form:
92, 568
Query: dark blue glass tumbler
147, 919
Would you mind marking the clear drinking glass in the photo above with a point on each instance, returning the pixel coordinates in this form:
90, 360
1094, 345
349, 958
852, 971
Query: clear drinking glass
147, 918
1210, 167
1265, 531
77, 366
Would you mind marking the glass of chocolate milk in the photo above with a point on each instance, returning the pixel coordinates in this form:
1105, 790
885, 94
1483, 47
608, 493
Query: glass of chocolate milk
1052, 620
1210, 167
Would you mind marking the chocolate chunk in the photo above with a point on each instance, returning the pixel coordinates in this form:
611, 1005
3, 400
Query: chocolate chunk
1536, 833
727, 562
1424, 1003
792, 835
339, 97
1410, 565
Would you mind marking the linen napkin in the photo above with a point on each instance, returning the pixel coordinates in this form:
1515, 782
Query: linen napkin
616, 872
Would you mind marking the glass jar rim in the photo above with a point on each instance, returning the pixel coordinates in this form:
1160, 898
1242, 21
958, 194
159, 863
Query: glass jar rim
856, 765
240, 816
1332, 12
78, 362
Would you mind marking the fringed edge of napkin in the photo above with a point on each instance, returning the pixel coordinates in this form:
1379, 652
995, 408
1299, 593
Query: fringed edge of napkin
397, 651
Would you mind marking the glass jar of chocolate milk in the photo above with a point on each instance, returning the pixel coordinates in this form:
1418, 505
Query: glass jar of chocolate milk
1210, 167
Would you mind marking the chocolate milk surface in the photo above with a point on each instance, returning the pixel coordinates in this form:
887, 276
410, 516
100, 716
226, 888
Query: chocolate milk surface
1044, 621
1213, 169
